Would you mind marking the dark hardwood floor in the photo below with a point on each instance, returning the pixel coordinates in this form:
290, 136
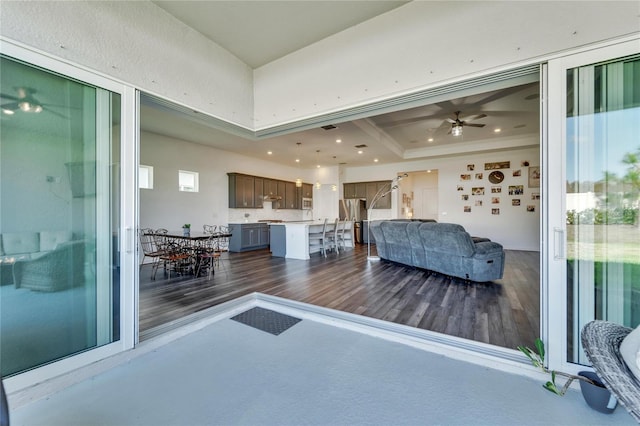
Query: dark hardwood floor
504, 312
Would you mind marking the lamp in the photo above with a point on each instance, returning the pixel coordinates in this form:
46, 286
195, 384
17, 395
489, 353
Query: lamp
382, 192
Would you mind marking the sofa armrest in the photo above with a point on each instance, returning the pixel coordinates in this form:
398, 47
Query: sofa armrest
487, 247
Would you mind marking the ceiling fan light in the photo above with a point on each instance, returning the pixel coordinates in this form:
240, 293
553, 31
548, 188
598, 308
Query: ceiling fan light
38, 108
8, 111
456, 130
298, 182
318, 185
24, 106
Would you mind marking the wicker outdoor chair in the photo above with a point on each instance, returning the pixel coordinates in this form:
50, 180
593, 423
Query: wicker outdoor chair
601, 341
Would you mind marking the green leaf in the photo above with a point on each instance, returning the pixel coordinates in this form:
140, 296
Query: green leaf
551, 388
540, 347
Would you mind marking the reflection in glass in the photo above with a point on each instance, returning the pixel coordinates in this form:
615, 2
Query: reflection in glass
59, 280
603, 196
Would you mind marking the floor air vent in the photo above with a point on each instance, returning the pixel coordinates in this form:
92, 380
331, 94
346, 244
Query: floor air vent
266, 320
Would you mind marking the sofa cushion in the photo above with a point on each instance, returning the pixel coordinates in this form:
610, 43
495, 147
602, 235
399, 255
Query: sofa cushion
446, 238
630, 351
49, 240
20, 242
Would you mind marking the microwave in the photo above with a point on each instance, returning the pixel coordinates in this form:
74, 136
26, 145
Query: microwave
307, 203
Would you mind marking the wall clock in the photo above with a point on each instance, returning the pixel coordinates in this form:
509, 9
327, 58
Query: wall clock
496, 177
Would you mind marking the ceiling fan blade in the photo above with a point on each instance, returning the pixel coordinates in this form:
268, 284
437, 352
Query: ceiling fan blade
450, 120
12, 106
474, 117
10, 97
56, 113
403, 122
473, 125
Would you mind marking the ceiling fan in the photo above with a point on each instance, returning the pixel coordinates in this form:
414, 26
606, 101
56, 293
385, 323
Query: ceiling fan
458, 124
25, 101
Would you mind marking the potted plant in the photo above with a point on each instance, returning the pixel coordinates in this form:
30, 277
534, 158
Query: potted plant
186, 229
594, 392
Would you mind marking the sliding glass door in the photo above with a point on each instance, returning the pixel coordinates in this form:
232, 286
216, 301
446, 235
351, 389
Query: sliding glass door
59, 217
597, 248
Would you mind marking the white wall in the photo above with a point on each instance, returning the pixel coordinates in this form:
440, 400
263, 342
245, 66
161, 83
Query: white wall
405, 50
425, 44
140, 44
166, 207
29, 202
514, 227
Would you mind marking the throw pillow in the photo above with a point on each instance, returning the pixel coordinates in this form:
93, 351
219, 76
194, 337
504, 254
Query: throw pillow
630, 351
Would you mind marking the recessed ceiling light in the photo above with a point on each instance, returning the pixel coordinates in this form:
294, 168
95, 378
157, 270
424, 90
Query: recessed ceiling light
269, 152
375, 160
318, 166
360, 151
297, 160
430, 140
338, 140
497, 130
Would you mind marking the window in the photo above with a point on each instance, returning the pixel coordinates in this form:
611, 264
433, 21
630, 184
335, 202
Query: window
188, 181
59, 277
145, 177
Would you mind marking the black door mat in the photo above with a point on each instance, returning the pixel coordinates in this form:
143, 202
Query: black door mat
266, 320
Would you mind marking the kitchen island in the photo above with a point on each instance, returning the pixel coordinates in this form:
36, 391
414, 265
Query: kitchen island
291, 239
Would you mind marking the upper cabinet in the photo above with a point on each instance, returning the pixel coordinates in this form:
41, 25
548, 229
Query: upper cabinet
258, 192
247, 191
241, 191
355, 190
290, 196
368, 191
270, 187
307, 190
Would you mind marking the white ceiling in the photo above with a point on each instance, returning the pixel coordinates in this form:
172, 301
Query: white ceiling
258, 32
390, 137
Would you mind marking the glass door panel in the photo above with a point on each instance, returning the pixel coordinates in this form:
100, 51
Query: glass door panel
59, 281
602, 196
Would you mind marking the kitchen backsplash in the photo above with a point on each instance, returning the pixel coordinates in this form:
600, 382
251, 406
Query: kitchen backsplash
268, 213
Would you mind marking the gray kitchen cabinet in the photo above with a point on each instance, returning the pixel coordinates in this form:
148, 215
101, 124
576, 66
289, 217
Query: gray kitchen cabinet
355, 190
248, 236
290, 196
349, 190
270, 188
258, 192
384, 202
241, 191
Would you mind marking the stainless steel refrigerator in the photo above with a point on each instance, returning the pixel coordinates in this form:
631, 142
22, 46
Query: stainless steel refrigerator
354, 209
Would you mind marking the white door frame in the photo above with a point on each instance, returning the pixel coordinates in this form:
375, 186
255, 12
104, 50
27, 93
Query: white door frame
554, 147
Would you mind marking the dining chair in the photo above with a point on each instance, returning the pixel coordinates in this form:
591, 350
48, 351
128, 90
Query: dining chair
338, 236
147, 243
222, 242
150, 249
174, 257
209, 229
207, 256
322, 239
330, 241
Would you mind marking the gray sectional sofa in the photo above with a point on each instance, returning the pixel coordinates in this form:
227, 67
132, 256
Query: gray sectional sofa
441, 247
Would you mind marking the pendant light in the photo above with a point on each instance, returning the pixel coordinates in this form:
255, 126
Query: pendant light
298, 180
318, 184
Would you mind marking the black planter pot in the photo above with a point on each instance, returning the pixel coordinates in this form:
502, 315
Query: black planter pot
597, 396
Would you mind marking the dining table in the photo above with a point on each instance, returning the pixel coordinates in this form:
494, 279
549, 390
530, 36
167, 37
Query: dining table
192, 244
